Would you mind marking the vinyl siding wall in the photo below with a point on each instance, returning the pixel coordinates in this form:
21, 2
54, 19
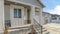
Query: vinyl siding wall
7, 12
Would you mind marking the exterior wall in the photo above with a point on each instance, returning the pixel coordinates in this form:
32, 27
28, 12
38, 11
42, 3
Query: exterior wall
40, 15
1, 15
49, 18
32, 2
8, 15
46, 17
16, 21
56, 20
7, 12
1, 33
25, 16
43, 20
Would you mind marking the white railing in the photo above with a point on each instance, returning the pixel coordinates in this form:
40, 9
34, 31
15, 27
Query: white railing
19, 29
37, 27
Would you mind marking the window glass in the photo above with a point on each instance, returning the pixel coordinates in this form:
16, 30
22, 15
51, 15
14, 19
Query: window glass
59, 18
54, 18
15, 13
36, 12
19, 13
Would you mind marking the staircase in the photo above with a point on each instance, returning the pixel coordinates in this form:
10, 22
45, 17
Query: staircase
44, 30
39, 29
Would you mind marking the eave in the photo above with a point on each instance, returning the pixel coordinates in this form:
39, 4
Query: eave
41, 3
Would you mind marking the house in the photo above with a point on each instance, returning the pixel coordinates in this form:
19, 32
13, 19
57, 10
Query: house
46, 18
20, 14
50, 18
55, 18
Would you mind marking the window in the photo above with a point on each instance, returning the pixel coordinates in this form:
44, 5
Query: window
59, 18
8, 23
17, 13
54, 18
37, 11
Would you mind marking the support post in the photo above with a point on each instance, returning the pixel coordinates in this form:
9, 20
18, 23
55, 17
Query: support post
6, 30
32, 14
40, 18
33, 30
1, 15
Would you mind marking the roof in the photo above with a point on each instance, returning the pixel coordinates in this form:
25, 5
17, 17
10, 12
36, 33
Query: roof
46, 12
41, 3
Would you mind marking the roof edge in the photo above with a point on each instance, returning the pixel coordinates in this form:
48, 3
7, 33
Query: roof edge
41, 3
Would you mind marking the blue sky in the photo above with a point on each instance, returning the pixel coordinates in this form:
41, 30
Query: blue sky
51, 6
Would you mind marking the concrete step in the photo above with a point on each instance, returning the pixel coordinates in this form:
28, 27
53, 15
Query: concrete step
37, 26
38, 31
46, 32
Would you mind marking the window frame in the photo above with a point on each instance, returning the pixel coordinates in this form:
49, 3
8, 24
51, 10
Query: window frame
54, 18
18, 16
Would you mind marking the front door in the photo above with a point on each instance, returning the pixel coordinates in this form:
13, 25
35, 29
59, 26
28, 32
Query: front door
28, 16
16, 15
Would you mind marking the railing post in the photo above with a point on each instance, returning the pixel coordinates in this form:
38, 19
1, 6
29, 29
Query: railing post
6, 30
32, 30
41, 30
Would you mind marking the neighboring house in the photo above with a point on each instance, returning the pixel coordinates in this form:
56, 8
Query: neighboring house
46, 18
55, 18
18, 13
50, 18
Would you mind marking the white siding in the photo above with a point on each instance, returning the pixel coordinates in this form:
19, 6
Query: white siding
8, 15
46, 16
1, 14
16, 21
7, 12
25, 16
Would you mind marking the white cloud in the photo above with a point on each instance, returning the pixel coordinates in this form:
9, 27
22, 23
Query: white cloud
56, 10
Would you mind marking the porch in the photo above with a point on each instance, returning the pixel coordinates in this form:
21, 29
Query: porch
18, 14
